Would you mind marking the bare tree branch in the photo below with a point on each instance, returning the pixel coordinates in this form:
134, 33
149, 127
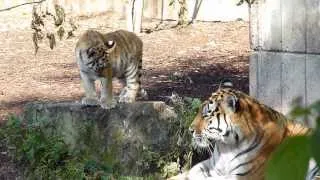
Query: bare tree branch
9, 8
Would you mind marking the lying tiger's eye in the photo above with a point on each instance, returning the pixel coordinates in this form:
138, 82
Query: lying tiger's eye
211, 107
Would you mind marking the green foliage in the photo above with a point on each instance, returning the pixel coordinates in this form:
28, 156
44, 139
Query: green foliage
249, 2
293, 154
44, 156
315, 143
291, 158
41, 156
186, 108
311, 112
172, 2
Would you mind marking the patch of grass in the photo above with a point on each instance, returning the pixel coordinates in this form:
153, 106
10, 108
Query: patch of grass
44, 156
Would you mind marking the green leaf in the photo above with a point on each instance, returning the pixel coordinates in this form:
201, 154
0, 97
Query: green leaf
290, 160
240, 2
195, 104
300, 112
315, 106
315, 143
171, 2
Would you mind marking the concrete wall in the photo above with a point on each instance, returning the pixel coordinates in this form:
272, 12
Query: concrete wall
277, 78
286, 25
210, 10
286, 59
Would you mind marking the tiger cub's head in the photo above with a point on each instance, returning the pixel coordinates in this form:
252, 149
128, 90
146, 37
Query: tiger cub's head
222, 118
98, 56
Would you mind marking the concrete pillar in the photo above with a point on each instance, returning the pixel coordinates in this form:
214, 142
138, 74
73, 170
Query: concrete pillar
285, 37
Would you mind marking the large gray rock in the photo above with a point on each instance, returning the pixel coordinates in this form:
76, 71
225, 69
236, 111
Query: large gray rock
132, 136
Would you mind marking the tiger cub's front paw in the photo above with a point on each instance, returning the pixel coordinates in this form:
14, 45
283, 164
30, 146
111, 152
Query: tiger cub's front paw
143, 95
127, 95
107, 105
127, 99
90, 101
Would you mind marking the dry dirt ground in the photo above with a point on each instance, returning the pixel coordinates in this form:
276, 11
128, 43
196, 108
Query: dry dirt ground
191, 61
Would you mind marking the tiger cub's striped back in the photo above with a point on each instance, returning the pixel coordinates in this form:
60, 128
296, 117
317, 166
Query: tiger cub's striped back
127, 62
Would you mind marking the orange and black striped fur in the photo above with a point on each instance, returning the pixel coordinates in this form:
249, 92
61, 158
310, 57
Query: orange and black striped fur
103, 56
243, 133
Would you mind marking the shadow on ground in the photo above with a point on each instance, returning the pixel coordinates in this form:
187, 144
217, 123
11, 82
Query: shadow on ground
197, 81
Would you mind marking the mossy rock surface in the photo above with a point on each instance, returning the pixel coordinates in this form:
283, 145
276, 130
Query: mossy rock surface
130, 136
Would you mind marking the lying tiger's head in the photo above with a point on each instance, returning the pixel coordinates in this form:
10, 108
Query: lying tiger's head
225, 117
98, 56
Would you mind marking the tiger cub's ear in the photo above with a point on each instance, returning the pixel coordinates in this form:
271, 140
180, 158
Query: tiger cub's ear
231, 103
110, 45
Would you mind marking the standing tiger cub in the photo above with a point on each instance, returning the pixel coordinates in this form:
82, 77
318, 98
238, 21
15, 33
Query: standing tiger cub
103, 56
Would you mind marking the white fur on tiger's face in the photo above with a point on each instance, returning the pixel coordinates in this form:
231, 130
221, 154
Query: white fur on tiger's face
103, 56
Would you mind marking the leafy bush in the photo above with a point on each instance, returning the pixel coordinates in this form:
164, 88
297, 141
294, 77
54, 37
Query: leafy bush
45, 156
298, 150
186, 109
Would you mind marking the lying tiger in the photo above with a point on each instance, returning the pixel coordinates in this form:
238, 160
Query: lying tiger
245, 133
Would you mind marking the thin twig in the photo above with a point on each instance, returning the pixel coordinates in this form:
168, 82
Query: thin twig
9, 8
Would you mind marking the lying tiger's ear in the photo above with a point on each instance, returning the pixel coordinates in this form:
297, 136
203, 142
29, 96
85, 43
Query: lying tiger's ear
110, 45
231, 103
226, 83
